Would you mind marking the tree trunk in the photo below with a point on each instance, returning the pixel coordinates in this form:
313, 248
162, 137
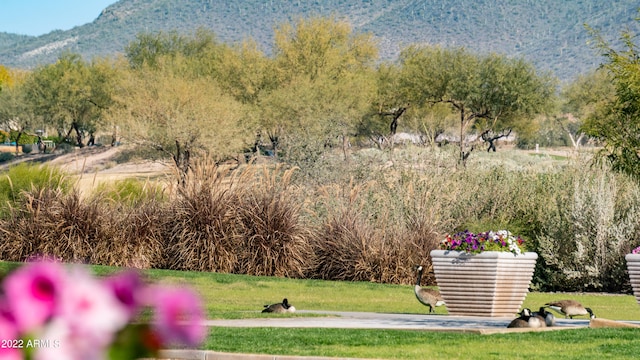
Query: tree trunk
345, 147
18, 141
274, 145
79, 136
463, 156
182, 159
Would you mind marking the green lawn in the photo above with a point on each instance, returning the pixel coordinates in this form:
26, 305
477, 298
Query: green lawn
239, 296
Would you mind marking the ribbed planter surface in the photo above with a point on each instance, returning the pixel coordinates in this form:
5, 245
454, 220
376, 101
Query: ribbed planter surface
633, 265
491, 283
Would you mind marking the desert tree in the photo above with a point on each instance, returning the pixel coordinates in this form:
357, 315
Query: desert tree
380, 124
322, 84
245, 72
616, 120
148, 48
17, 113
179, 115
391, 108
5, 77
491, 93
580, 99
72, 95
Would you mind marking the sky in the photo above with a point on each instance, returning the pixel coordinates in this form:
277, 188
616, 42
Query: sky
38, 17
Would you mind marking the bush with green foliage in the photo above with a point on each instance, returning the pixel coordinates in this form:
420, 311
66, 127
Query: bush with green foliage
587, 231
130, 191
6, 156
27, 177
24, 138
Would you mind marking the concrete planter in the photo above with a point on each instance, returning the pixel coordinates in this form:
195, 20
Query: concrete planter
492, 283
633, 266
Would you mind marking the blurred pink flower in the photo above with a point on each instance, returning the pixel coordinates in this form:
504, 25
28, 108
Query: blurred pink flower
8, 332
80, 317
179, 315
91, 311
126, 286
32, 293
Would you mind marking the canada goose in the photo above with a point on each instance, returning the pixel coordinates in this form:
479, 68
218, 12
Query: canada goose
522, 321
283, 307
570, 308
428, 297
545, 316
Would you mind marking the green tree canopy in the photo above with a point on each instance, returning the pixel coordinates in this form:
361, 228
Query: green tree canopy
580, 99
17, 114
72, 94
492, 93
182, 116
322, 86
616, 121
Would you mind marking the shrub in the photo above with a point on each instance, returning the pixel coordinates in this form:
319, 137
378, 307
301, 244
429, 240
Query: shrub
27, 148
50, 223
201, 229
67, 227
6, 157
130, 153
589, 230
133, 236
64, 147
130, 192
374, 233
24, 177
274, 241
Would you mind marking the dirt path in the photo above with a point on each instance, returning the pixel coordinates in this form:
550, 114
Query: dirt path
94, 165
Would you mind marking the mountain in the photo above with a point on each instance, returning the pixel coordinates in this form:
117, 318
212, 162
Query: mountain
549, 33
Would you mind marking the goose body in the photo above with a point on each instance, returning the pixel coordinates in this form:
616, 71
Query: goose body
280, 308
570, 308
522, 321
428, 297
546, 317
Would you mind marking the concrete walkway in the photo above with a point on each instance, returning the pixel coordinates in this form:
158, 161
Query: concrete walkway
363, 320
367, 320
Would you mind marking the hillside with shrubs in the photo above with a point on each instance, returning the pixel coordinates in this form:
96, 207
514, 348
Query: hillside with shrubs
549, 33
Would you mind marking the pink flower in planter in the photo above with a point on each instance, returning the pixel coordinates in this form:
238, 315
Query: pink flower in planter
32, 293
179, 315
636, 250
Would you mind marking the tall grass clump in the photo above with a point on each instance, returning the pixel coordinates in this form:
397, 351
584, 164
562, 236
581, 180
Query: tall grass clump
274, 240
49, 222
133, 236
589, 229
201, 228
72, 228
376, 232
